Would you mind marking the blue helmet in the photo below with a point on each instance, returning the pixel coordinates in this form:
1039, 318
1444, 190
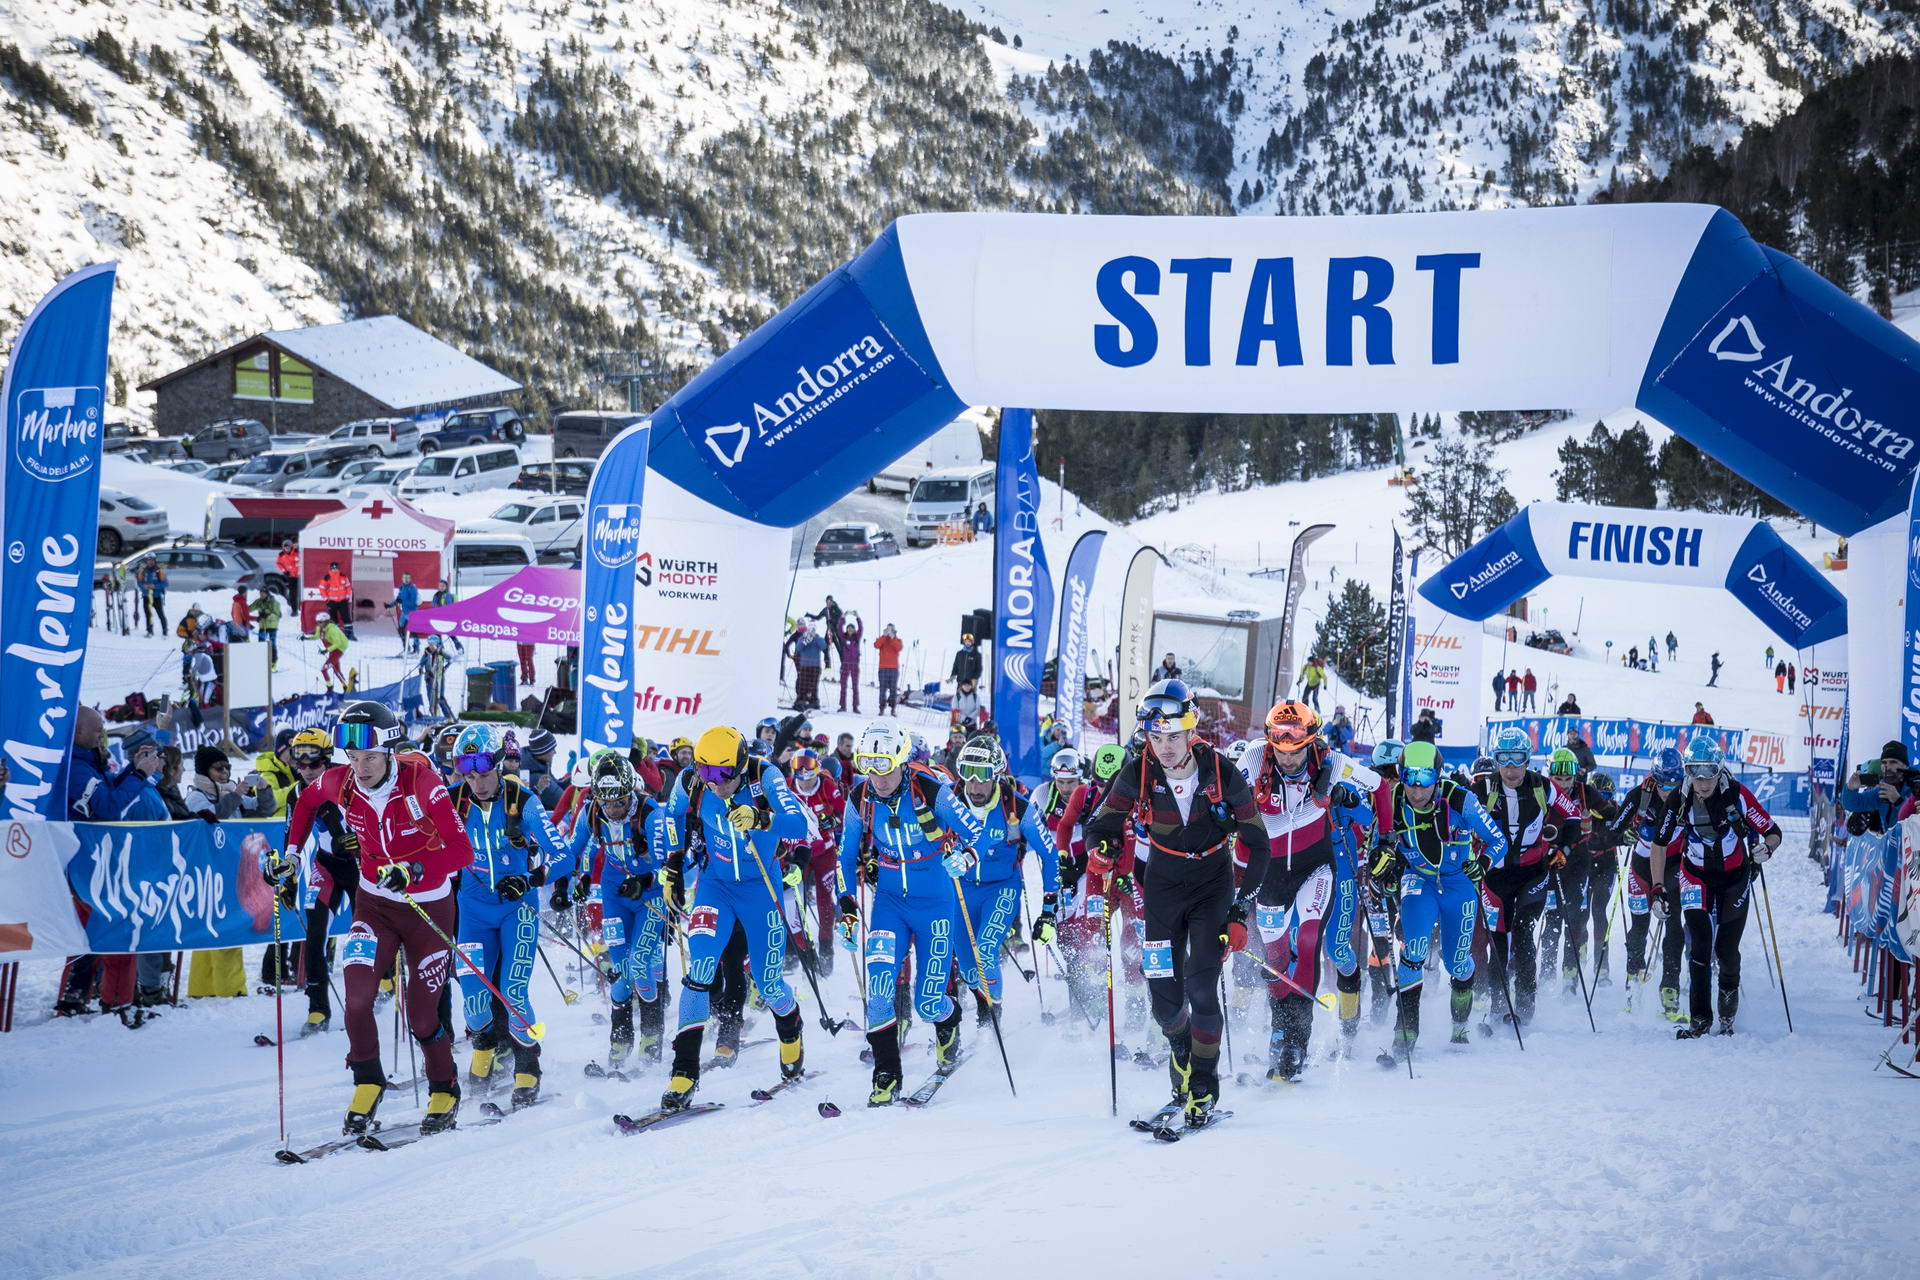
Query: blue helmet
1668, 768
1704, 757
1387, 752
1512, 746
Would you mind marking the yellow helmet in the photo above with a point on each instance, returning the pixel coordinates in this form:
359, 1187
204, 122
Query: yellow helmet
673, 748
721, 747
312, 738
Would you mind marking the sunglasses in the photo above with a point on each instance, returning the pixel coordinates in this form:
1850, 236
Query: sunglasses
875, 764
313, 761
1419, 776
474, 762
717, 772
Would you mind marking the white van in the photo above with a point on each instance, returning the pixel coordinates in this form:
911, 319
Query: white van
950, 493
481, 560
958, 444
479, 466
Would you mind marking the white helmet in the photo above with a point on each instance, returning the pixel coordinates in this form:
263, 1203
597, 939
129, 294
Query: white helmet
1066, 761
881, 747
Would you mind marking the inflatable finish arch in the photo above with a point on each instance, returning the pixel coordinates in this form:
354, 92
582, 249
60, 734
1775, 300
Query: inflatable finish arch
1673, 309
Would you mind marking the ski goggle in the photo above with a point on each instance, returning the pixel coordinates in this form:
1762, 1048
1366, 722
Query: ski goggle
311, 758
1514, 756
1563, 769
474, 762
357, 735
868, 763
974, 771
806, 761
1702, 769
716, 772
1419, 775
1161, 714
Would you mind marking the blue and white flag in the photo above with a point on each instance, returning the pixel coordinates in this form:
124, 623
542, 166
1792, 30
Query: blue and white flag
1076, 644
607, 591
1022, 597
1910, 669
55, 400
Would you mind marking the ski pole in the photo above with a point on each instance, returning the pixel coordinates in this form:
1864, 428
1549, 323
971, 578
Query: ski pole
567, 996
1226, 1019
993, 1006
1506, 986
1768, 902
1324, 1001
279, 1033
1113, 1065
1039, 986
1578, 968
536, 1030
830, 1024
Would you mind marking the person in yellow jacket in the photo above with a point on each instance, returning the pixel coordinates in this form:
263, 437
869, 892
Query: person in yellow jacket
334, 641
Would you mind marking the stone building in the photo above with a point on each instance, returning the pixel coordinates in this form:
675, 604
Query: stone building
312, 380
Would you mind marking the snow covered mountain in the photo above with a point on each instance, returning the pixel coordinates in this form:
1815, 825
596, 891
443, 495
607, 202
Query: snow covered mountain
560, 187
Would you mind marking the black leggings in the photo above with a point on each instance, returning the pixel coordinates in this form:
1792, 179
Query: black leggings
1673, 940
1715, 910
1187, 902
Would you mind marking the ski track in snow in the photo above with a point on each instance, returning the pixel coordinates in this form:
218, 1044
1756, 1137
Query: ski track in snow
148, 1154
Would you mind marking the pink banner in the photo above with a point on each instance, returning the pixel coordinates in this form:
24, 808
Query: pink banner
538, 605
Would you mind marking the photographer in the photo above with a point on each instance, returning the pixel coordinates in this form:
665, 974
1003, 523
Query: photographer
1879, 793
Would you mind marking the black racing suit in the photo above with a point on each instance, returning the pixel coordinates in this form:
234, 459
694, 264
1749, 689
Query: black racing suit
1188, 890
1589, 866
1716, 885
1638, 819
1513, 895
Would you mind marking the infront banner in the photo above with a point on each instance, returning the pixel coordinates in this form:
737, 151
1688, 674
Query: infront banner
251, 727
1679, 548
1022, 597
54, 404
706, 629
606, 610
36, 907
1443, 671
1135, 661
1671, 308
1824, 685
1075, 648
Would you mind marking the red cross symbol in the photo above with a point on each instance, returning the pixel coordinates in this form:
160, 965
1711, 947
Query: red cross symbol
376, 509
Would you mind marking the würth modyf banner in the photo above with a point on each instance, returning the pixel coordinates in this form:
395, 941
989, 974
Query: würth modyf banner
1022, 597
55, 397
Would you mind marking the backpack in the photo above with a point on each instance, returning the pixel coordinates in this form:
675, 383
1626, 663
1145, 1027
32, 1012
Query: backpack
923, 789
691, 783
511, 791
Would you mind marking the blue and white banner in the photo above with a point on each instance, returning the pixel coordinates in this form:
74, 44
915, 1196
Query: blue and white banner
175, 886
1022, 597
55, 403
1910, 649
607, 591
1676, 548
307, 711
1671, 308
1076, 642
1396, 631
1625, 739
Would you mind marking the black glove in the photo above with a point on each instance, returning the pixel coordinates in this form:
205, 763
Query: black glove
849, 923
396, 876
539, 876
1071, 869
866, 868
1043, 928
560, 901
633, 887
278, 870
1123, 884
1476, 867
1345, 794
511, 888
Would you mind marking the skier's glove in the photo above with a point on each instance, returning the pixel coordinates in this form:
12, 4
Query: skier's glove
1661, 908
1100, 859
561, 900
1386, 858
866, 868
959, 862
1043, 930
634, 887
539, 876
791, 876
278, 870
1759, 851
1477, 866
1345, 795
1123, 884
745, 817
1557, 859
670, 887
396, 876
849, 922
512, 888
1234, 937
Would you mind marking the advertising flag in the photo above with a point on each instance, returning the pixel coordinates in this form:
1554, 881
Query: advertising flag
1022, 597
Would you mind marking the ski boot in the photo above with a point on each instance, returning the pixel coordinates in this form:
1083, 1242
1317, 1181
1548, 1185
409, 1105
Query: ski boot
71, 1006
1288, 1062
1695, 1028
1203, 1091
1729, 1007
982, 1009
620, 1037
679, 1094
480, 1065
1347, 1004
886, 1088
1569, 981
384, 996
686, 1071
1601, 978
1670, 1004
1180, 1070
1460, 1005
318, 1021
369, 1086
148, 997
526, 1076
653, 1026
792, 1052
443, 1104
946, 1040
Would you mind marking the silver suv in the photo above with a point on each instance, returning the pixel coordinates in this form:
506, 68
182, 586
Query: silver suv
202, 567
228, 438
393, 437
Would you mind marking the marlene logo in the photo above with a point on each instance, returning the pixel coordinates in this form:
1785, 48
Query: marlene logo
1750, 354
614, 534
59, 431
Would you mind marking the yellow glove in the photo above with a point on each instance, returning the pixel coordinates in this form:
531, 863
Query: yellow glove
743, 817
792, 877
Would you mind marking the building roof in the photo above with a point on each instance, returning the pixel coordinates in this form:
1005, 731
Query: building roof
400, 366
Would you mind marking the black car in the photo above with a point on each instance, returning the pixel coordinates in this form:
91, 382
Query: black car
847, 543
566, 476
474, 426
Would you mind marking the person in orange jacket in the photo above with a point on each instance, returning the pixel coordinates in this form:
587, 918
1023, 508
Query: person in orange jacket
337, 591
889, 645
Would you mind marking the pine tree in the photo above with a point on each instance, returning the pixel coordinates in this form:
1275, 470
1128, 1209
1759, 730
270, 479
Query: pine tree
1457, 496
1353, 637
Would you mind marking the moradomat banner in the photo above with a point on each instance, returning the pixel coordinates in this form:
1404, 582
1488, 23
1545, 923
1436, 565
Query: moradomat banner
55, 400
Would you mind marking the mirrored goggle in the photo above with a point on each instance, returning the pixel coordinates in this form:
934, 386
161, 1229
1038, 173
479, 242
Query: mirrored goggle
1566, 770
1516, 756
974, 771
474, 762
1289, 738
865, 763
806, 762
716, 772
357, 735
1419, 775
1702, 770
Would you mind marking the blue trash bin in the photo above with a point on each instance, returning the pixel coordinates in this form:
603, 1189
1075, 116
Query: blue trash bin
503, 682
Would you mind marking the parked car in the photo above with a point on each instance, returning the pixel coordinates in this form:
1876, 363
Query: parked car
294, 439
127, 521
187, 467
1550, 640
475, 426
206, 566
552, 525
393, 437
570, 476
155, 449
846, 543
583, 433
485, 466
224, 472
481, 559
228, 438
274, 470
943, 495
370, 472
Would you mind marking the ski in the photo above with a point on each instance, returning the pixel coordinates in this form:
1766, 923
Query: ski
827, 1110
1169, 1133
1147, 1061
1906, 1071
594, 1071
916, 1046
1158, 1120
659, 1119
924, 1094
491, 1113
1249, 1080
721, 1061
1386, 1059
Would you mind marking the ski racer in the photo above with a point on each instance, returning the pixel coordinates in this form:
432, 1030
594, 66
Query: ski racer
1192, 804
515, 849
817, 856
412, 843
1430, 829
332, 873
1514, 893
1085, 902
1649, 895
735, 810
1580, 815
901, 824
1383, 909
990, 882
629, 834
1725, 836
